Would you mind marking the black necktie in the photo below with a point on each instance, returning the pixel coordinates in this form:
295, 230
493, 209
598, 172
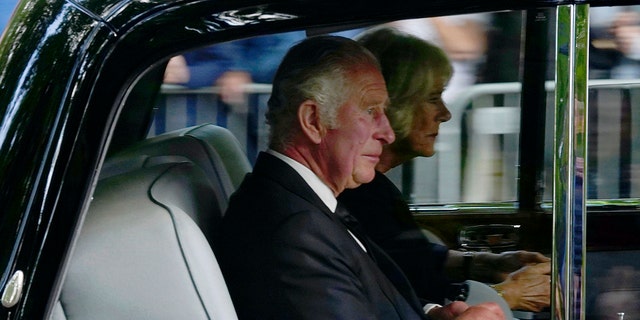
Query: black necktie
353, 225
381, 259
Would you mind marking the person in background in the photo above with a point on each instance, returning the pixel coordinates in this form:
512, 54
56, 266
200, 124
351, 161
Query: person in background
462, 37
614, 42
231, 66
287, 248
416, 74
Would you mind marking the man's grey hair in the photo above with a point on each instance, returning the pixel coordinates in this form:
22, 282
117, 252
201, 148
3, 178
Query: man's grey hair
318, 69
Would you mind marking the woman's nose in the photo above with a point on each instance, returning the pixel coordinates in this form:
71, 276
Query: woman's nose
444, 114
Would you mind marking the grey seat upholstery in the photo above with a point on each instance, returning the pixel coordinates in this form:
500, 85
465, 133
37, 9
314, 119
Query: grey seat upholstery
212, 148
141, 256
215, 149
225, 144
145, 248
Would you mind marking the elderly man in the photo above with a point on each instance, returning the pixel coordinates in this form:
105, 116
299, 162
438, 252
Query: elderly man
287, 248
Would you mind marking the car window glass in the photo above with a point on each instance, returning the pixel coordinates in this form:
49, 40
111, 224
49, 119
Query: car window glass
477, 150
476, 159
613, 162
614, 99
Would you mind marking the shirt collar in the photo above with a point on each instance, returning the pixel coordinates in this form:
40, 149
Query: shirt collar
320, 188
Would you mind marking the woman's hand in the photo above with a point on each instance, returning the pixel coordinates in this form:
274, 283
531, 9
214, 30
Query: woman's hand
494, 268
529, 288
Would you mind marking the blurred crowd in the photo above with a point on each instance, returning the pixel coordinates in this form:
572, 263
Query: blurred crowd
471, 41
615, 43
232, 65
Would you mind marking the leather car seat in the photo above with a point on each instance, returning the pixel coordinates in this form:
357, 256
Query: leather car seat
139, 254
213, 148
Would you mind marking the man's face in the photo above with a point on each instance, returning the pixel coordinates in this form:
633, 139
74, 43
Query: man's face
352, 150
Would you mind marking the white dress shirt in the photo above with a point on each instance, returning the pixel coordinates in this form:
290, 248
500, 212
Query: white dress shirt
320, 188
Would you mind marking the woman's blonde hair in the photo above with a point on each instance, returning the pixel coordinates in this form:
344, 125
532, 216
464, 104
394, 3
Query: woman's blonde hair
410, 67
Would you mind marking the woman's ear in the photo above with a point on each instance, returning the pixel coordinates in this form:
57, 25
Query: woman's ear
309, 118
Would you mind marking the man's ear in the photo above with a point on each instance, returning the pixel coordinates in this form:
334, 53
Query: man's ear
309, 118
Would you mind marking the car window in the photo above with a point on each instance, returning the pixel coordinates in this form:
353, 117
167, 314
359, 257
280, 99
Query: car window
226, 84
476, 159
613, 97
479, 149
612, 163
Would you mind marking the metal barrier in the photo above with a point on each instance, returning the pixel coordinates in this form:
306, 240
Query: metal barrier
479, 145
477, 150
490, 114
614, 136
180, 107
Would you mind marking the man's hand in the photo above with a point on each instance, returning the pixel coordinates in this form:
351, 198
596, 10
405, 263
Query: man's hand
529, 288
461, 311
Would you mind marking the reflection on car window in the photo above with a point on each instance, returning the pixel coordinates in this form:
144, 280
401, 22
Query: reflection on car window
615, 43
613, 157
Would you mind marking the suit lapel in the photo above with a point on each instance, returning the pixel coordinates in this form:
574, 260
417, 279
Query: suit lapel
389, 269
392, 280
277, 170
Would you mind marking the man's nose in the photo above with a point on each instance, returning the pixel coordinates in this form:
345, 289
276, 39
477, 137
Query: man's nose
385, 132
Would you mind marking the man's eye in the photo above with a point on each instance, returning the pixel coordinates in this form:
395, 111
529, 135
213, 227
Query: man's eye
371, 111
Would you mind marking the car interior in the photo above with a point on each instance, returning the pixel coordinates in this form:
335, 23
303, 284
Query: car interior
145, 250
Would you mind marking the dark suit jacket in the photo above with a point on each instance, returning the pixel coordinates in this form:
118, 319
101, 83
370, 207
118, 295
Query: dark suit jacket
285, 255
384, 214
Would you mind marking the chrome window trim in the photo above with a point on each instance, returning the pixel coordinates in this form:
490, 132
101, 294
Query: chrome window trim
569, 196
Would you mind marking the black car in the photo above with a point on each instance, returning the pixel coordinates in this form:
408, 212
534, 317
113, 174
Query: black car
112, 179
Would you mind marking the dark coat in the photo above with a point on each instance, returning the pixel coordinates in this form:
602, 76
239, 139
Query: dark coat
285, 255
384, 214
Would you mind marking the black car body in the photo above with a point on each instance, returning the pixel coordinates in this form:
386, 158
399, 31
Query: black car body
78, 77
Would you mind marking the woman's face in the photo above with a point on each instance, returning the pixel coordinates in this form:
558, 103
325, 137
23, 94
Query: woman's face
426, 121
